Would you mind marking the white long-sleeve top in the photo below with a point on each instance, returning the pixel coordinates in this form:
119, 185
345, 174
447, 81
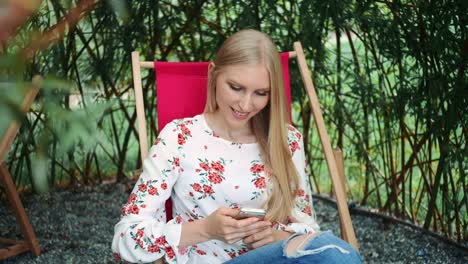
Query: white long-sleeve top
200, 172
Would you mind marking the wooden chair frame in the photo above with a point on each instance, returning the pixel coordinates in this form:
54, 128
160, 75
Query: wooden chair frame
30, 243
332, 156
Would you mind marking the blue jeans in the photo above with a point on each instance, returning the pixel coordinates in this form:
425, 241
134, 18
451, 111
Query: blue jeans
324, 248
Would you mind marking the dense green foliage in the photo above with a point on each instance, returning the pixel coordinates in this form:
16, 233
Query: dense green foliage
390, 75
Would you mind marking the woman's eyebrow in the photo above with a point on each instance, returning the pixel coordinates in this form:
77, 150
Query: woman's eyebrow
231, 81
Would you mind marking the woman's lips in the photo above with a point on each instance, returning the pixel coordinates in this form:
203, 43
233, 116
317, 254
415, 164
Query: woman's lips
239, 115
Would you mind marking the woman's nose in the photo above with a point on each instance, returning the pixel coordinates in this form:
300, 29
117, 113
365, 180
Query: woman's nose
245, 103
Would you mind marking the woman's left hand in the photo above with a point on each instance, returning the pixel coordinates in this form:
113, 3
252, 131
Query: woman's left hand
264, 237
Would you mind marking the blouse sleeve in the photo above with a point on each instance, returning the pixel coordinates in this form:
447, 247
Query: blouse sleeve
142, 234
303, 218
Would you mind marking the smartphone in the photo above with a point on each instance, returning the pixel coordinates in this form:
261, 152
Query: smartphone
251, 212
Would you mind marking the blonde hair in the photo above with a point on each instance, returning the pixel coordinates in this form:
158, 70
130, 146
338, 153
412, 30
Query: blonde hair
252, 47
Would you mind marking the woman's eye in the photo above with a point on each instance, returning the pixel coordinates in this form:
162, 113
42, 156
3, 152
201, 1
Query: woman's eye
262, 93
235, 88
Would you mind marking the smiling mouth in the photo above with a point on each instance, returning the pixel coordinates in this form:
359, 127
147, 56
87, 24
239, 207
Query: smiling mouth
240, 115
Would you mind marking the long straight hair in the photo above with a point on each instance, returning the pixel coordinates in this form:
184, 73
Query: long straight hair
251, 47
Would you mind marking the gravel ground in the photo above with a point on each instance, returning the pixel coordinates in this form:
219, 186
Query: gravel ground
76, 226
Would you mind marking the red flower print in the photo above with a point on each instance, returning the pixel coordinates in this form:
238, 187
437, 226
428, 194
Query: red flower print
133, 209
170, 252
183, 251
201, 252
232, 255
307, 198
153, 190
191, 194
164, 186
176, 162
132, 198
142, 187
185, 130
124, 210
157, 141
196, 187
140, 243
242, 251
211, 173
153, 248
207, 189
178, 219
140, 232
180, 139
298, 135
294, 146
300, 192
117, 256
161, 240
204, 166
215, 178
307, 210
260, 183
257, 168
217, 166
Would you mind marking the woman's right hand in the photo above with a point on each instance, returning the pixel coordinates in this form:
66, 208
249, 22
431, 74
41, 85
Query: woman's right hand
222, 225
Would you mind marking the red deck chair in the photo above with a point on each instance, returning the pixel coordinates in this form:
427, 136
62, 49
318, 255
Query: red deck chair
181, 92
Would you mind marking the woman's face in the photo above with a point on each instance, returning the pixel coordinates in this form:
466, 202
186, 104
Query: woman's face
241, 92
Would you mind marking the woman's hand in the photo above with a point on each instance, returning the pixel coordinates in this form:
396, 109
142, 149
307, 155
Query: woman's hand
266, 236
258, 239
222, 225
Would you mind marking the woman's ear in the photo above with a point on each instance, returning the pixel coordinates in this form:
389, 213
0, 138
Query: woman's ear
211, 67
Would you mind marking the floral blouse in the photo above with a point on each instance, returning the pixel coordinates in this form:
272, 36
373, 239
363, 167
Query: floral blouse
200, 172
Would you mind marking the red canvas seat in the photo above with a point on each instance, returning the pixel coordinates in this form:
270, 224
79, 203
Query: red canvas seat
181, 88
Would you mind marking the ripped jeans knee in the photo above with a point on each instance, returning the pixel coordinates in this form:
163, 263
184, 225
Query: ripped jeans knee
324, 248
321, 247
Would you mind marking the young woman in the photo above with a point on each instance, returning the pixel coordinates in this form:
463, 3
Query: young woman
240, 152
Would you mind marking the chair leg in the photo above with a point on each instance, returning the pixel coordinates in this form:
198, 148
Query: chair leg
340, 165
30, 243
